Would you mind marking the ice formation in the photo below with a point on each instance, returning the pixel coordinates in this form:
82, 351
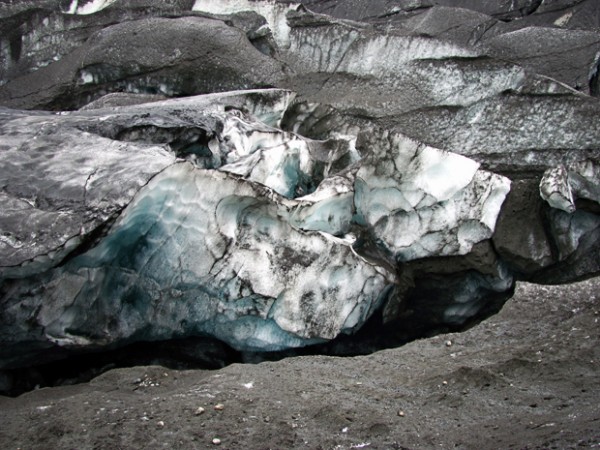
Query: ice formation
393, 180
422, 202
201, 252
251, 241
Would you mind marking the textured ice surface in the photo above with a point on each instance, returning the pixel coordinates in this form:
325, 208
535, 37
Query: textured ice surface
61, 183
289, 164
201, 252
555, 189
342, 48
267, 106
561, 186
257, 252
422, 202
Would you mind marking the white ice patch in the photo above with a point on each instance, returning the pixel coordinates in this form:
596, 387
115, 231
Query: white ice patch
89, 7
86, 77
424, 202
564, 19
555, 189
438, 173
273, 12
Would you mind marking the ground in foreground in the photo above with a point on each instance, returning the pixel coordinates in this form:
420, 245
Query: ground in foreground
525, 379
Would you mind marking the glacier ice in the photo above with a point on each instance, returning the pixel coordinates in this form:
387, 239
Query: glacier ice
274, 12
555, 189
266, 249
288, 164
362, 194
423, 202
561, 186
260, 239
88, 7
199, 252
61, 184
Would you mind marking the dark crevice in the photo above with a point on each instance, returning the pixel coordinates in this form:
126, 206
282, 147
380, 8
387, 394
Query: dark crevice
91, 240
519, 13
178, 354
16, 47
531, 9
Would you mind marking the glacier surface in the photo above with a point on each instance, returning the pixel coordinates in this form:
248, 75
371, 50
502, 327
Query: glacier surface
313, 180
239, 231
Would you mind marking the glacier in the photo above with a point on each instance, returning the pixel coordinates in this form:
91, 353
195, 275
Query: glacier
255, 237
277, 178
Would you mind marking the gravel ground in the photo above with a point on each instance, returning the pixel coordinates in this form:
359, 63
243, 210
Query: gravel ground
525, 379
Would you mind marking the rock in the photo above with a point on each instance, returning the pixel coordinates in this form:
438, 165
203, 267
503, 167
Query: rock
220, 57
521, 238
566, 55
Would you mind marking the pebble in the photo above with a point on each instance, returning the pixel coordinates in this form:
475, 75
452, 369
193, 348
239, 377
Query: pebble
199, 411
444, 382
216, 441
160, 424
219, 407
448, 343
401, 413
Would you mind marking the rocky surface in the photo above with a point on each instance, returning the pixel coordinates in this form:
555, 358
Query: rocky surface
514, 381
